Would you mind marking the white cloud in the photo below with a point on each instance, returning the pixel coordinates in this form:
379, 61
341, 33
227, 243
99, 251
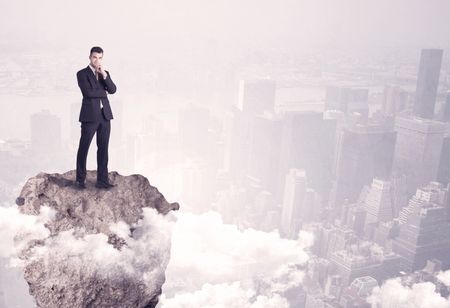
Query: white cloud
15, 225
224, 295
144, 256
444, 277
392, 294
16, 229
211, 263
208, 255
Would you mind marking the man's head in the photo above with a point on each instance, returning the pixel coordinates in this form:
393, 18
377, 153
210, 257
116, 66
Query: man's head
96, 56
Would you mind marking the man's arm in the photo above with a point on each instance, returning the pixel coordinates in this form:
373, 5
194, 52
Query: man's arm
109, 84
86, 88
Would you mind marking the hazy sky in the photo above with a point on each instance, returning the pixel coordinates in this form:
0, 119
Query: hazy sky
132, 32
301, 22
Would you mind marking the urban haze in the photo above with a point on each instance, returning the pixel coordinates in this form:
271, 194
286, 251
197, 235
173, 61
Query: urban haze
311, 138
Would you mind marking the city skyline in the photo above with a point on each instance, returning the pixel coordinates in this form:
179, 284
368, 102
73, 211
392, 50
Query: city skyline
308, 143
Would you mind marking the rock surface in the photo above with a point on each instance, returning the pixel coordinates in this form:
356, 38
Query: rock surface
106, 248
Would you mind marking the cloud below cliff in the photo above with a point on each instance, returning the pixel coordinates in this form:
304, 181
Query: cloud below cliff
394, 294
444, 277
217, 265
24, 227
211, 263
225, 295
143, 257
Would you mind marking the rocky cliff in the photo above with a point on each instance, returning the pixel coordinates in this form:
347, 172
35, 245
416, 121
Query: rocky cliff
105, 248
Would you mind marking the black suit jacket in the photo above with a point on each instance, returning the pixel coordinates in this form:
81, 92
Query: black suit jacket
93, 91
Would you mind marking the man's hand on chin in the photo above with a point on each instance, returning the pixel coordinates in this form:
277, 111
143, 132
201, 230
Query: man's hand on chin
102, 71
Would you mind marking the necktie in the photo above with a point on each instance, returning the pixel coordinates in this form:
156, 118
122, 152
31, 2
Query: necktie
96, 76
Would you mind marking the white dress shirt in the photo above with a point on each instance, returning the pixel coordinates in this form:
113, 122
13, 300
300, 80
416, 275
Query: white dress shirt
93, 70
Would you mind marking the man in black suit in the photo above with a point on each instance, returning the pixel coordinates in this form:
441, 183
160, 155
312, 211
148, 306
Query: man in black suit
95, 115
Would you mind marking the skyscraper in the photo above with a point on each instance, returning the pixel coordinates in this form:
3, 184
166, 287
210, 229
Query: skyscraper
427, 82
256, 96
395, 100
362, 152
193, 129
264, 147
444, 114
237, 142
45, 133
294, 196
417, 150
355, 219
444, 162
367, 260
347, 100
424, 229
356, 294
307, 142
378, 202
333, 286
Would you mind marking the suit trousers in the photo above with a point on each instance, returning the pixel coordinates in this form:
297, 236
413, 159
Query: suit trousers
103, 128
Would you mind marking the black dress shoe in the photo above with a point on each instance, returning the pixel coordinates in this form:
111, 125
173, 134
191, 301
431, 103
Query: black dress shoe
80, 184
104, 185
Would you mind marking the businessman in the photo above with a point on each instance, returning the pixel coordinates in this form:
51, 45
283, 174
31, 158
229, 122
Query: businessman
95, 115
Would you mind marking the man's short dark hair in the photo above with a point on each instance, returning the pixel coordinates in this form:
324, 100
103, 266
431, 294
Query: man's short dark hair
96, 49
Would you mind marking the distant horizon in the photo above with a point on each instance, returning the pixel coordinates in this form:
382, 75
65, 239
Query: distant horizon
295, 24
